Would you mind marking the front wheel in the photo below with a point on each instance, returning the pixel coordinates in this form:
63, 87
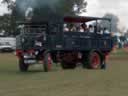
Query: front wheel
94, 60
22, 66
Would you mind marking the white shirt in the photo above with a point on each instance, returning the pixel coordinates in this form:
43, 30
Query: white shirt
91, 30
66, 29
106, 32
81, 30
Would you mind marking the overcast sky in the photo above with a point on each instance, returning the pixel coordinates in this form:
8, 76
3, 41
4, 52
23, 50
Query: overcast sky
101, 7
3, 9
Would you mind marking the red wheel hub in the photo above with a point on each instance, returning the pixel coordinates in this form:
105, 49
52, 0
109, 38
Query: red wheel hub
95, 61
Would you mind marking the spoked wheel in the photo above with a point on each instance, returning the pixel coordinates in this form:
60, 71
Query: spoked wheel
94, 60
22, 66
47, 62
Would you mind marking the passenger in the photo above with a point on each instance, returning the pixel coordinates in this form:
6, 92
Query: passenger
84, 26
77, 27
106, 31
101, 31
81, 29
66, 29
91, 29
73, 28
95, 29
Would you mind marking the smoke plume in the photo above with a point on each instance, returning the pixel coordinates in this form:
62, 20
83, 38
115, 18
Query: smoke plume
39, 7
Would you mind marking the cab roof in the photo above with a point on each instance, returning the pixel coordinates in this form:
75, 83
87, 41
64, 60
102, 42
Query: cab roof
78, 19
70, 19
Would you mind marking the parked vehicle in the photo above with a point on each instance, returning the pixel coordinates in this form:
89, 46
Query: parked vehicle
6, 47
47, 41
11, 41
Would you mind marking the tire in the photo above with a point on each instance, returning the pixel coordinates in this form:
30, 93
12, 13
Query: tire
94, 60
22, 66
65, 65
47, 62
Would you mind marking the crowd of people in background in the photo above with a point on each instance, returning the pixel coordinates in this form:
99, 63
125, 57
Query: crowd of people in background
84, 28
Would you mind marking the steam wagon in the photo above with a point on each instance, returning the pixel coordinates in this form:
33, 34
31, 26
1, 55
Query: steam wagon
51, 42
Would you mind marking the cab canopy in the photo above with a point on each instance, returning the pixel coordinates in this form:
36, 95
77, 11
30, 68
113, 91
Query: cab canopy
78, 19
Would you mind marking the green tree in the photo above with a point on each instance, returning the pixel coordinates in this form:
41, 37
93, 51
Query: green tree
5, 23
10, 17
10, 4
114, 22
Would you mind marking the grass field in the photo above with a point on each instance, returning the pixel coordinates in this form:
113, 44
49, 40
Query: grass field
79, 82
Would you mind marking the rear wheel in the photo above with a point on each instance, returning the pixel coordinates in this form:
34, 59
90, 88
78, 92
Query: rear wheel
94, 60
22, 66
47, 62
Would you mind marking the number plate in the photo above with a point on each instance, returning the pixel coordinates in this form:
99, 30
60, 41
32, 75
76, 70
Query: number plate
29, 61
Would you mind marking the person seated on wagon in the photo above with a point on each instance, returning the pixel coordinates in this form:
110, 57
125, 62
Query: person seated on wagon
72, 28
91, 29
83, 28
100, 30
66, 29
106, 31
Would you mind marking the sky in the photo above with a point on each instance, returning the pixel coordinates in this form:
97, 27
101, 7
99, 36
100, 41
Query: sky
3, 8
99, 8
116, 7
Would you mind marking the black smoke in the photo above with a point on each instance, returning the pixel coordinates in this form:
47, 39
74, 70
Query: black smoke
42, 9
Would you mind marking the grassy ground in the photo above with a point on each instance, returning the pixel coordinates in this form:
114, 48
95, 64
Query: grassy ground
79, 82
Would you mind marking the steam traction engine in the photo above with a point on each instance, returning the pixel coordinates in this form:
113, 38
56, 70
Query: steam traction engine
47, 42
